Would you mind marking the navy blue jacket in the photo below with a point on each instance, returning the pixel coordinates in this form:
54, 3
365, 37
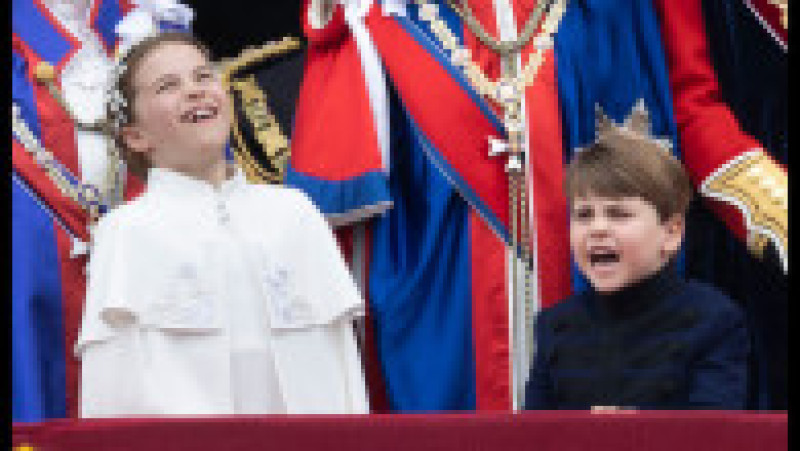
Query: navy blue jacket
662, 343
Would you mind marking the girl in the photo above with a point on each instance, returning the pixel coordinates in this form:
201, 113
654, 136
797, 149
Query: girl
207, 295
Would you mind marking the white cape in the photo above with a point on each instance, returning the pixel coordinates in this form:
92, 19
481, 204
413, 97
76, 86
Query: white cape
155, 334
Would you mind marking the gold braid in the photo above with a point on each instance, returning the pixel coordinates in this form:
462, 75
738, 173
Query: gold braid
461, 7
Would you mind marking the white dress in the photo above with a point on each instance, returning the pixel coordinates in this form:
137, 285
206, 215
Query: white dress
208, 301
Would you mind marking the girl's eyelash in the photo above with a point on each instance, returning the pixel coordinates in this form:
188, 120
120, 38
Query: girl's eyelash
165, 85
203, 75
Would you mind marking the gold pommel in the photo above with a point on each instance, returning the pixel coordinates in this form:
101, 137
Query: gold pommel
45, 72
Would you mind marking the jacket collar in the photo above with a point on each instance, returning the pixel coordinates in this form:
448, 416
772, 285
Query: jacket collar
640, 296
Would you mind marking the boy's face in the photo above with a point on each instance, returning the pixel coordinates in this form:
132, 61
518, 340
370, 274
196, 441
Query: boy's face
182, 114
619, 241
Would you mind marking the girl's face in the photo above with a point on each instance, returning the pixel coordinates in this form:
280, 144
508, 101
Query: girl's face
182, 114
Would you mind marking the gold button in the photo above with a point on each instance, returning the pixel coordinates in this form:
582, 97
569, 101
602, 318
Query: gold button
45, 73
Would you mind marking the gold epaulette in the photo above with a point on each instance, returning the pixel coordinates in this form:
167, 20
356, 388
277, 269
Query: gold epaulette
758, 187
268, 134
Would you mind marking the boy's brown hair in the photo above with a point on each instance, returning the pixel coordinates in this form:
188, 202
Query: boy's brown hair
137, 163
623, 163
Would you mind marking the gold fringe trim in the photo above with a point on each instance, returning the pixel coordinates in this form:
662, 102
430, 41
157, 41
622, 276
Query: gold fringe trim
268, 132
272, 140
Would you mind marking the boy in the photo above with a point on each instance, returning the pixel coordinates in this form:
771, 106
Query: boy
208, 295
640, 337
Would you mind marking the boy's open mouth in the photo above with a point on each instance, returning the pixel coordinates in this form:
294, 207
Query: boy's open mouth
601, 257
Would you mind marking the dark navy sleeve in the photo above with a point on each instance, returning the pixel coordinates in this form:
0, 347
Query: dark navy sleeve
719, 377
539, 388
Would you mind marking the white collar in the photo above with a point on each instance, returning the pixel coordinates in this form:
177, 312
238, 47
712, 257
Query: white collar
169, 181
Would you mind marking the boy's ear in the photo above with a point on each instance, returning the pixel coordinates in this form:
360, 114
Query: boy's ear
134, 139
675, 227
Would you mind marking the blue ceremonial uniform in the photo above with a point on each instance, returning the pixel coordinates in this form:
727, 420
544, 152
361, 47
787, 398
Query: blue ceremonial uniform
663, 343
